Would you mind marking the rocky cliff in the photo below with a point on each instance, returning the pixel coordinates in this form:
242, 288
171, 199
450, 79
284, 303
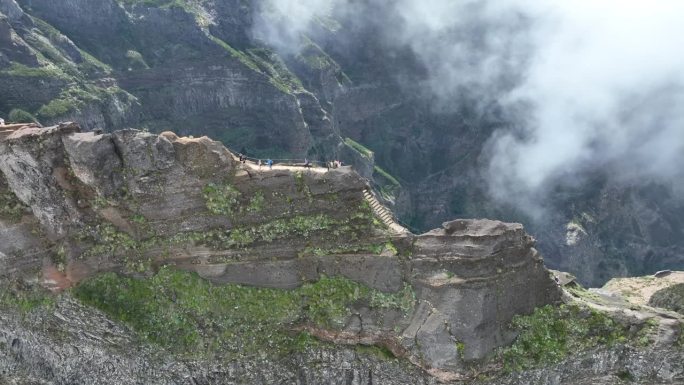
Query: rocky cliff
176, 63
196, 68
175, 263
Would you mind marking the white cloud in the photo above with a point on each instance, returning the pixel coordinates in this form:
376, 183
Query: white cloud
606, 82
604, 79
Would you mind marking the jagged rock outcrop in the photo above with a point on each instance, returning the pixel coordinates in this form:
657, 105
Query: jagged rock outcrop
479, 271
39, 178
119, 201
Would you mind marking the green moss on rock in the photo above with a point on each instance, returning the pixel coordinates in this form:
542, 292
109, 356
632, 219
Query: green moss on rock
352, 248
77, 97
17, 295
256, 202
221, 199
47, 71
136, 60
671, 298
187, 314
387, 176
358, 147
551, 334
11, 208
58, 107
108, 240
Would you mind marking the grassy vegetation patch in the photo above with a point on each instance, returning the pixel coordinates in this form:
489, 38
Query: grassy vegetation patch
107, 240
221, 199
11, 208
358, 147
390, 179
256, 202
551, 334
376, 351
20, 116
304, 226
76, 97
46, 71
58, 107
239, 55
136, 60
301, 186
272, 65
91, 66
671, 298
266, 62
17, 295
388, 185
187, 314
314, 57
373, 248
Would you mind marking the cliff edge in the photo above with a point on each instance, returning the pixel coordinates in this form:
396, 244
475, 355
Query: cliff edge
190, 247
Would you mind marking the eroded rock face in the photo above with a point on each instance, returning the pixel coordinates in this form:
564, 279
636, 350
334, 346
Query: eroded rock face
474, 274
33, 161
131, 201
94, 161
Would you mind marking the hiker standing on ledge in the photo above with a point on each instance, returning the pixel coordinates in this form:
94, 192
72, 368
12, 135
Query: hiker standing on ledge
269, 162
259, 164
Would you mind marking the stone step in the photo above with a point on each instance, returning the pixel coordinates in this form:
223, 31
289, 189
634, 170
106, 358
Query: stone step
382, 212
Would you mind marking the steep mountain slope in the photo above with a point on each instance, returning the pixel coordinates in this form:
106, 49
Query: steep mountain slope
171, 261
176, 67
195, 67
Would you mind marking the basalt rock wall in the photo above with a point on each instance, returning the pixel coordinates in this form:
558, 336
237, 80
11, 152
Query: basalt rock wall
131, 202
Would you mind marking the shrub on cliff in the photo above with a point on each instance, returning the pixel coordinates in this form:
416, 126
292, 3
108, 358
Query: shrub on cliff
671, 298
190, 315
551, 334
20, 116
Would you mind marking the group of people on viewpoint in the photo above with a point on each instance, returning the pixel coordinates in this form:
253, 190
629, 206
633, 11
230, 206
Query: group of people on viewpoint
307, 162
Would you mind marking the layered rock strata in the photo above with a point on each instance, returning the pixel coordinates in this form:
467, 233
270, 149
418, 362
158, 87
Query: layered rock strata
132, 201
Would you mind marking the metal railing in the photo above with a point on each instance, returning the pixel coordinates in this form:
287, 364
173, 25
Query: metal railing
313, 163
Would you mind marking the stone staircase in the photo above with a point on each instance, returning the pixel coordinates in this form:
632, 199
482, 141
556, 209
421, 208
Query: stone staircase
383, 213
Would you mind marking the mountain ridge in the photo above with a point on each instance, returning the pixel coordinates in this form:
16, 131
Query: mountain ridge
119, 218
